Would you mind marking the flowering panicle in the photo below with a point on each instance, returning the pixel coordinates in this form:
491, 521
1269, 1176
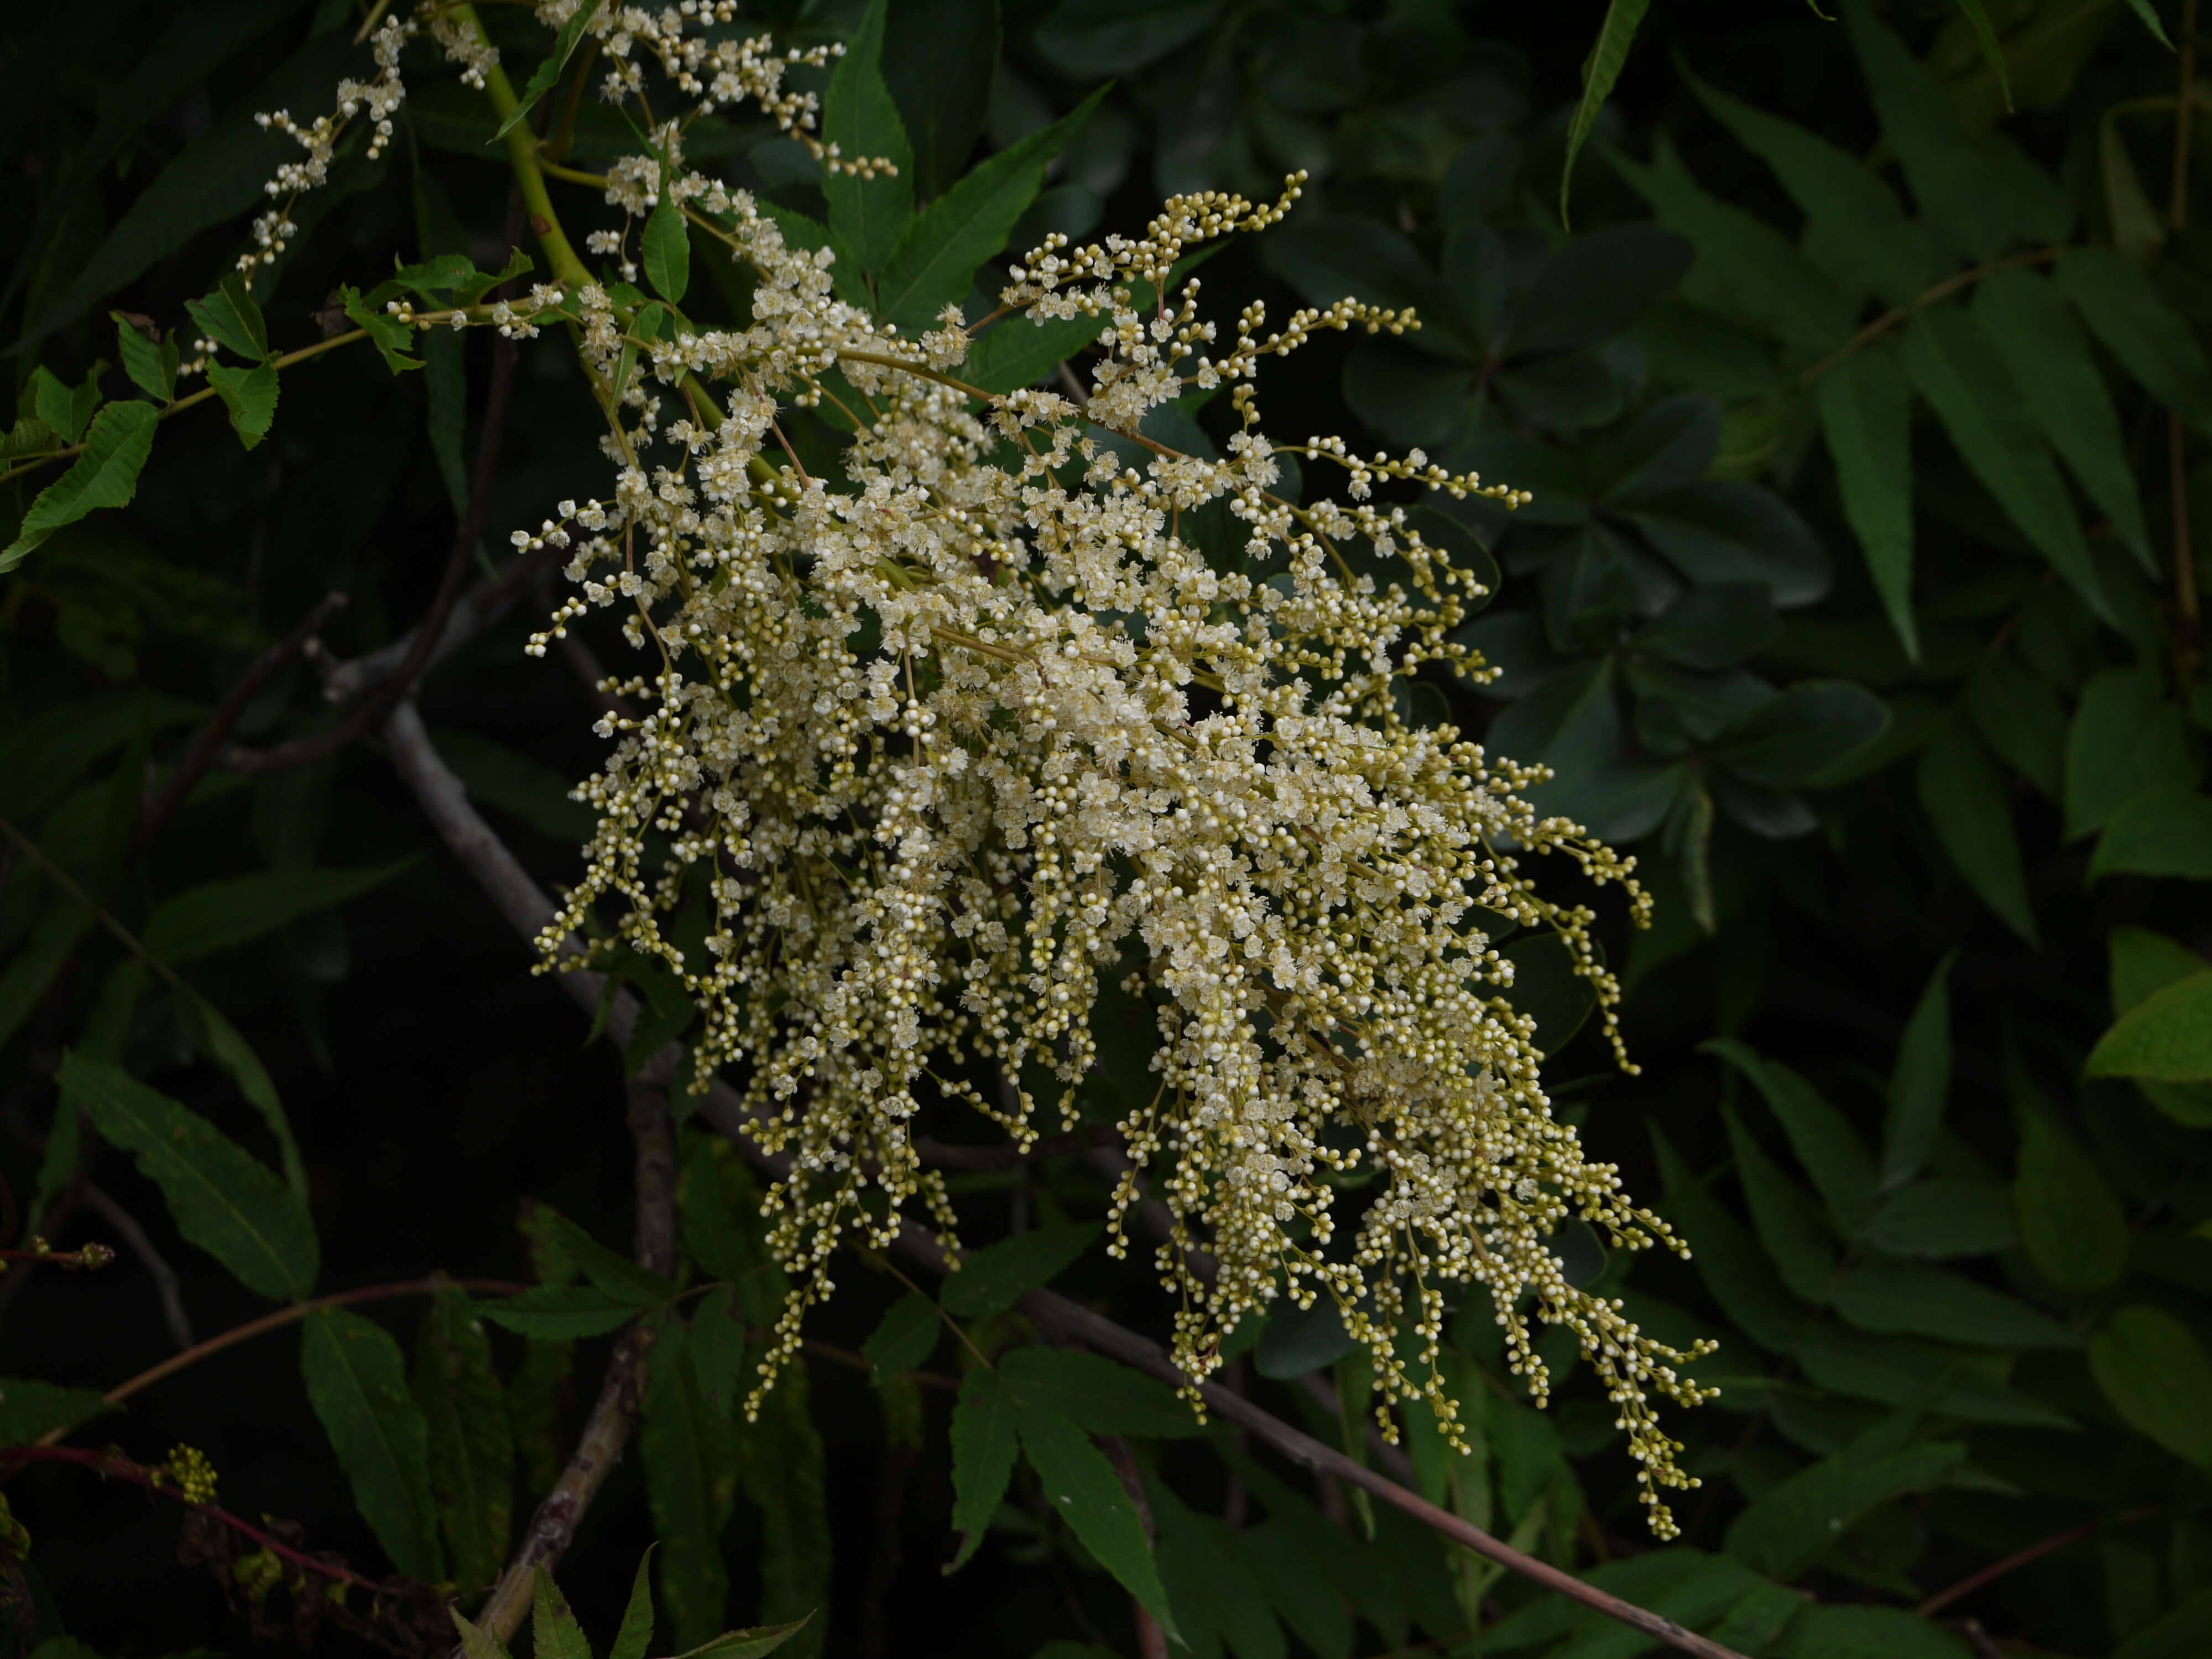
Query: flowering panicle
1022, 703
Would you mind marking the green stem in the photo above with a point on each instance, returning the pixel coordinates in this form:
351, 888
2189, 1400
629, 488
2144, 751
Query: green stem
529, 171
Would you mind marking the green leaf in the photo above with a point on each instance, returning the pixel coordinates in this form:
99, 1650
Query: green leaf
1866, 416
230, 319
1093, 38
1812, 726
859, 117
939, 58
718, 1348
30, 1407
2048, 356
1608, 54
470, 1443
543, 78
2143, 961
1086, 1492
1952, 363
151, 365
611, 1271
223, 1200
1719, 529
1095, 1394
1903, 1298
2018, 714
2144, 10
64, 410
1295, 1341
1796, 1239
524, 788
105, 476
53, 941
636, 1633
554, 1631
1547, 988
1936, 1219
477, 1644
1746, 269
1022, 349
249, 395
2070, 1221
1921, 1083
1854, 223
1824, 1142
782, 1466
2157, 1377
222, 1043
750, 1643
904, 1337
552, 1313
936, 259
1791, 1525
984, 1443
1964, 795
357, 1383
2124, 309
394, 340
2163, 833
1734, 1269
665, 251
992, 1279
1833, 1632
2186, 1631
2168, 1038
220, 915
2127, 738
690, 1477
1985, 37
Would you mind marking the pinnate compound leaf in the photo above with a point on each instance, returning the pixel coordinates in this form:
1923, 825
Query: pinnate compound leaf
2125, 310
1812, 726
1608, 55
2037, 335
611, 1271
1953, 365
561, 1313
2166, 1038
665, 250
1089, 1496
1939, 1219
985, 1438
472, 1443
543, 78
1903, 1298
230, 319
30, 1407
2164, 832
1796, 1239
1820, 1136
1734, 1269
2156, 1376
1092, 38
64, 410
249, 395
357, 1383
904, 1337
1866, 416
219, 915
221, 1199
2071, 1223
1963, 794
992, 1279
105, 475
1921, 1083
1095, 1394
226, 1047
936, 259
781, 1465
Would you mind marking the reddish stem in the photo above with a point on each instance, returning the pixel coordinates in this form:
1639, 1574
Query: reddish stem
1997, 1570
112, 1462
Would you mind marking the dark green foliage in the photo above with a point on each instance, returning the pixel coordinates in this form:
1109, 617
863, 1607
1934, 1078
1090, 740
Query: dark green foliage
1864, 396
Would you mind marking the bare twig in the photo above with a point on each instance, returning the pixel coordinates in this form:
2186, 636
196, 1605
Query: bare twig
474, 611
607, 1430
305, 751
2035, 1552
527, 909
125, 1227
209, 741
277, 1321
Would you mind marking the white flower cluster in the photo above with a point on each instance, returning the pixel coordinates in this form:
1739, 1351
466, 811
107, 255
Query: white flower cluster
934, 745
